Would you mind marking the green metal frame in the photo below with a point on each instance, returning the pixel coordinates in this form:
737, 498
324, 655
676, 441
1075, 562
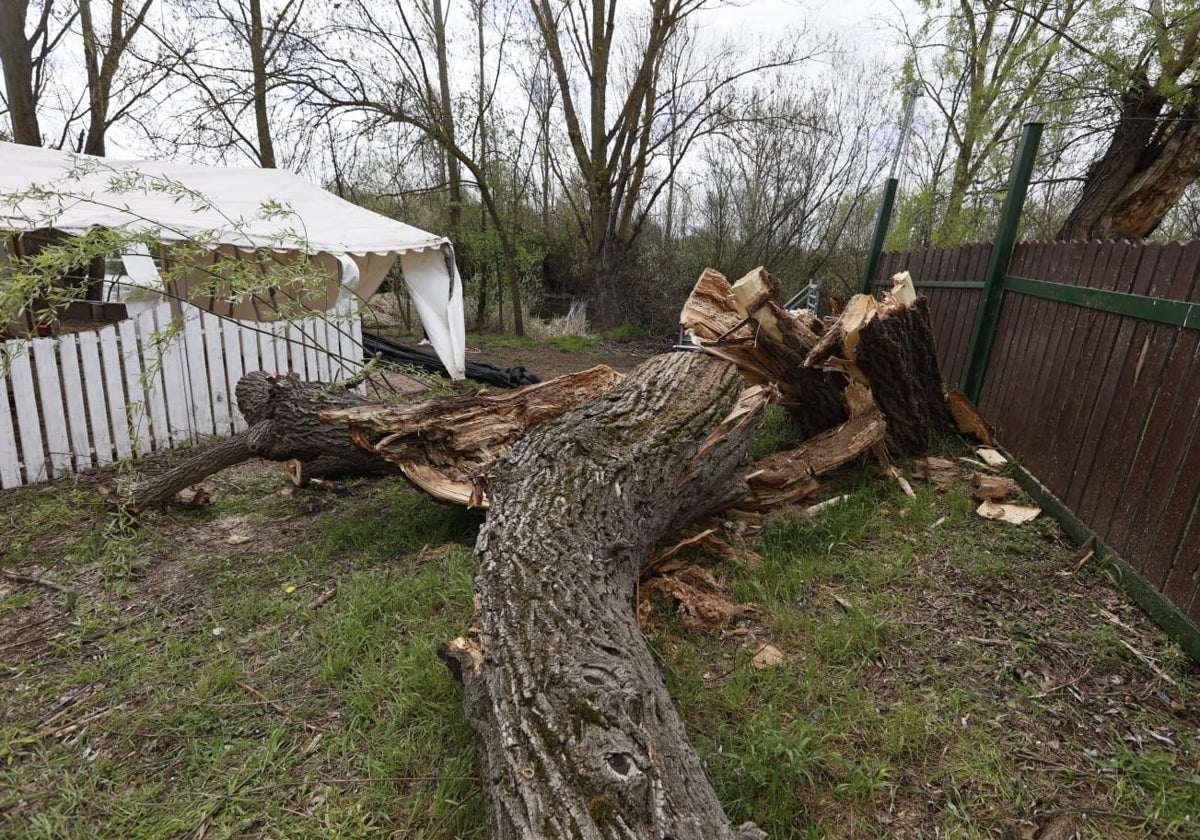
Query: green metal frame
1177, 313
987, 314
881, 228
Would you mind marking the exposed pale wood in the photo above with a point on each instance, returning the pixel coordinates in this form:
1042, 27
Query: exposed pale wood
967, 418
991, 488
770, 355
444, 445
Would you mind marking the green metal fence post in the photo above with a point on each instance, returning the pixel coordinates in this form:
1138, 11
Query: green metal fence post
881, 229
987, 314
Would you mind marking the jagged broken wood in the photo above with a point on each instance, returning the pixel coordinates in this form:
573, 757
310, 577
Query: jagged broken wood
444, 446
576, 734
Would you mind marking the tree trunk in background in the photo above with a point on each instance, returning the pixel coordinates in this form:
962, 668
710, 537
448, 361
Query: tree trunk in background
1151, 159
576, 734
258, 64
453, 167
16, 60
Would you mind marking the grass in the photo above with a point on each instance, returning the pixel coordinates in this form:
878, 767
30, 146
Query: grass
265, 667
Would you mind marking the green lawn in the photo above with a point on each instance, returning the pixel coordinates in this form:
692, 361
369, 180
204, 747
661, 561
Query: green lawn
264, 667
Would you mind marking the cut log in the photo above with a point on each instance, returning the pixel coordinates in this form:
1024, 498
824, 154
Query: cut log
445, 445
576, 734
281, 412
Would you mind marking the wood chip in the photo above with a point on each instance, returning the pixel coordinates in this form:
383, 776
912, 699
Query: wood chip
1010, 513
991, 457
768, 656
991, 488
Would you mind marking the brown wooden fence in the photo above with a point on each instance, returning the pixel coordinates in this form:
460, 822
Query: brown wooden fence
1097, 393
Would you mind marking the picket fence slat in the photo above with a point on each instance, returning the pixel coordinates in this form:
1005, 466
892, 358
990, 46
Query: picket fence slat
28, 422
139, 419
68, 363
115, 392
217, 388
175, 386
197, 372
54, 418
144, 385
10, 458
93, 389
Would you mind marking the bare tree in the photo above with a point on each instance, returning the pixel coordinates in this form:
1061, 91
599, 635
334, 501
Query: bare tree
236, 63
24, 60
627, 136
382, 64
103, 52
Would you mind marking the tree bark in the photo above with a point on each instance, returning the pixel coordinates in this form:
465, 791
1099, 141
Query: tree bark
17, 62
576, 734
282, 415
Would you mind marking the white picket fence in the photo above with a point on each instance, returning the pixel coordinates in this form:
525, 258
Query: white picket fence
130, 388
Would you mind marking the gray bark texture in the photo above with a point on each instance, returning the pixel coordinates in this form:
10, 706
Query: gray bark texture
898, 354
577, 736
281, 412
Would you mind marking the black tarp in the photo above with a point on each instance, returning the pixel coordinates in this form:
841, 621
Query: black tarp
392, 352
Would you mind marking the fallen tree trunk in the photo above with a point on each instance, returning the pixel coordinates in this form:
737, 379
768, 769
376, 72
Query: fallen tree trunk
576, 734
281, 412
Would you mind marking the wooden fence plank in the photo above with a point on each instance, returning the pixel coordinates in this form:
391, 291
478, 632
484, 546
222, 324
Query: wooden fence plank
51, 406
266, 349
1086, 356
231, 343
97, 405
295, 344
218, 389
131, 360
33, 453
175, 388
1128, 523
10, 458
152, 381
248, 339
114, 392
1112, 401
280, 343
195, 367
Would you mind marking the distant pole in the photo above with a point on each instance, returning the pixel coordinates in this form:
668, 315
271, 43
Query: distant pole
888, 201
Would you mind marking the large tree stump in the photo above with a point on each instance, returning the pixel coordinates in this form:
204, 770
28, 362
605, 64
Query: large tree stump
577, 736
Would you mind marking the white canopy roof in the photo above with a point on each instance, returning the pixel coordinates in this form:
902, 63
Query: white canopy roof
247, 209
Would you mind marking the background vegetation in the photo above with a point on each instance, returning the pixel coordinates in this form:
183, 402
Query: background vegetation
605, 151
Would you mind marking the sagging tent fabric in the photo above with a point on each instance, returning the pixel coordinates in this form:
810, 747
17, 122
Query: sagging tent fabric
257, 214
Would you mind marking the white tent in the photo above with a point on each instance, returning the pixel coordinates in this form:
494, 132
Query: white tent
238, 211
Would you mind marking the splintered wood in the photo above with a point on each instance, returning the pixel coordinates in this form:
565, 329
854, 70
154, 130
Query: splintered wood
866, 376
444, 445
